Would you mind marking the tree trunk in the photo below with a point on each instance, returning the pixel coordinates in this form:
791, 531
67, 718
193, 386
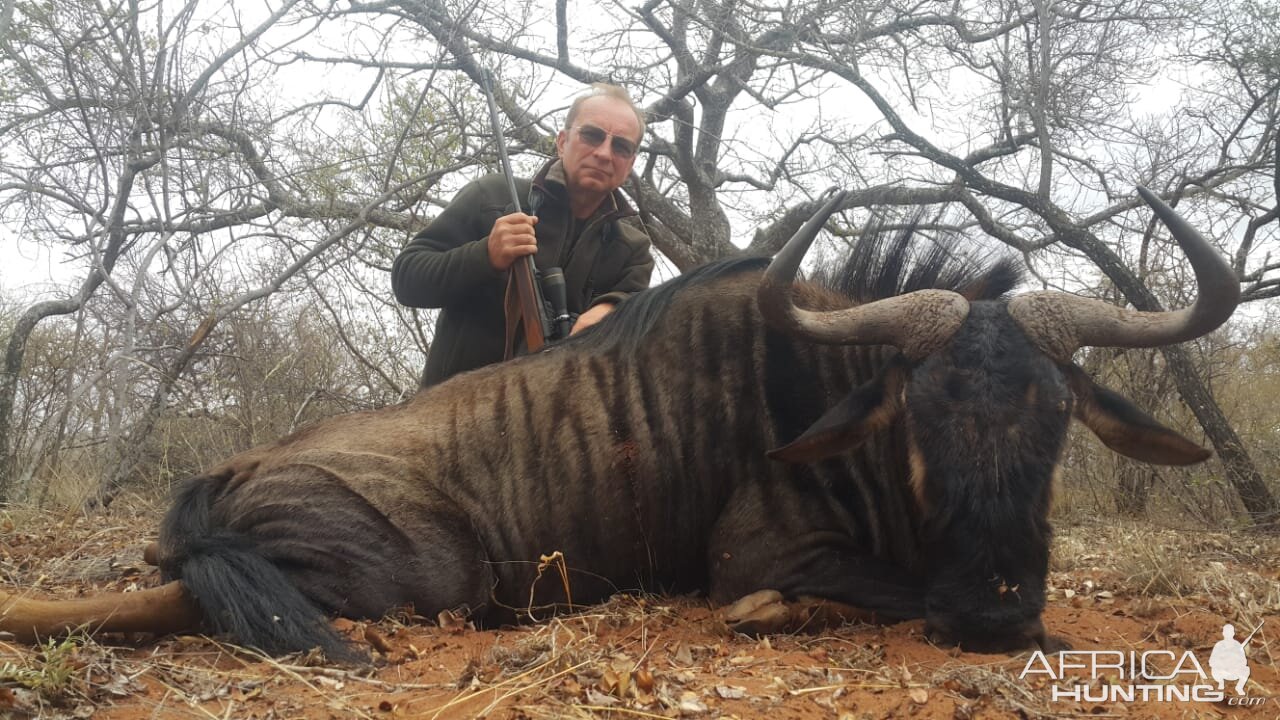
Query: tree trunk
1241, 472
1133, 489
15, 352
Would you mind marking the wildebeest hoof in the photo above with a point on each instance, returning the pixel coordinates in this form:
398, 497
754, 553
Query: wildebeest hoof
761, 613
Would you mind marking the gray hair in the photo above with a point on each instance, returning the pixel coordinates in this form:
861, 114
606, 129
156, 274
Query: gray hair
616, 92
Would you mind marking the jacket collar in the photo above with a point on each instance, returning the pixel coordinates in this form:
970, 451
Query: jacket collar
551, 181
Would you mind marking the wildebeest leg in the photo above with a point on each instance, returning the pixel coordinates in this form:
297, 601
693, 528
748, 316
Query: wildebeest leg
165, 609
765, 612
816, 592
791, 542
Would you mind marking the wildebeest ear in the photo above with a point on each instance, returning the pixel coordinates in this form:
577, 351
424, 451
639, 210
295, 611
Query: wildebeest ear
1121, 426
870, 407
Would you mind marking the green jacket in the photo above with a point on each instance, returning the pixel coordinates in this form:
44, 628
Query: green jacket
447, 265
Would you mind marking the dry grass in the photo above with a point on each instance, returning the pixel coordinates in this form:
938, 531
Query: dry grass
998, 686
67, 677
1148, 562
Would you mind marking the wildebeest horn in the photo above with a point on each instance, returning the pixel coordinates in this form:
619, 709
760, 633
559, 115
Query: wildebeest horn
1060, 323
916, 323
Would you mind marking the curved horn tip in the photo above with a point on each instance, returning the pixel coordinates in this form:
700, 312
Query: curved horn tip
829, 208
1150, 197
838, 196
787, 260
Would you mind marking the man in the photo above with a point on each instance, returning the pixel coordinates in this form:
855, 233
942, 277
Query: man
573, 217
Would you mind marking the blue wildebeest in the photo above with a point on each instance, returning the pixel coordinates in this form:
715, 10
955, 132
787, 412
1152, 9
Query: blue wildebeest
919, 416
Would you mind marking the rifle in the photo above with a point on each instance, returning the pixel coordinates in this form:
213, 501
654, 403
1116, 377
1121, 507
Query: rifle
526, 305
1255, 632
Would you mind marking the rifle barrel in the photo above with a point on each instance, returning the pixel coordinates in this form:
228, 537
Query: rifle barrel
1255, 632
500, 139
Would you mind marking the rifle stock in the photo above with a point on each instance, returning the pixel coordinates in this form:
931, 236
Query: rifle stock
524, 277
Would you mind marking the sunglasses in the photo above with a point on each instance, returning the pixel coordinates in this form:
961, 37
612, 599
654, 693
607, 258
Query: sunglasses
594, 136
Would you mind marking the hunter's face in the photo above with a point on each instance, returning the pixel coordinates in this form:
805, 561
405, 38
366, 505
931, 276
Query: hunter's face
599, 148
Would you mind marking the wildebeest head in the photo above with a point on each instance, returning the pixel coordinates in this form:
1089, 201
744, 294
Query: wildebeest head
985, 390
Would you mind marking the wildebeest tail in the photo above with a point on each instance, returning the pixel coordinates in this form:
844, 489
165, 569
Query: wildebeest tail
240, 592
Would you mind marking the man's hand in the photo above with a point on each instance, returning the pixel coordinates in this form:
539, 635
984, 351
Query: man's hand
591, 317
512, 238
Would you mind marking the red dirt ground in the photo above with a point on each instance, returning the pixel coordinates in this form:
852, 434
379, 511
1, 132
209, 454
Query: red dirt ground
1128, 588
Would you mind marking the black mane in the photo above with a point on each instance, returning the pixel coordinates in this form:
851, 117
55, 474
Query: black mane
880, 264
